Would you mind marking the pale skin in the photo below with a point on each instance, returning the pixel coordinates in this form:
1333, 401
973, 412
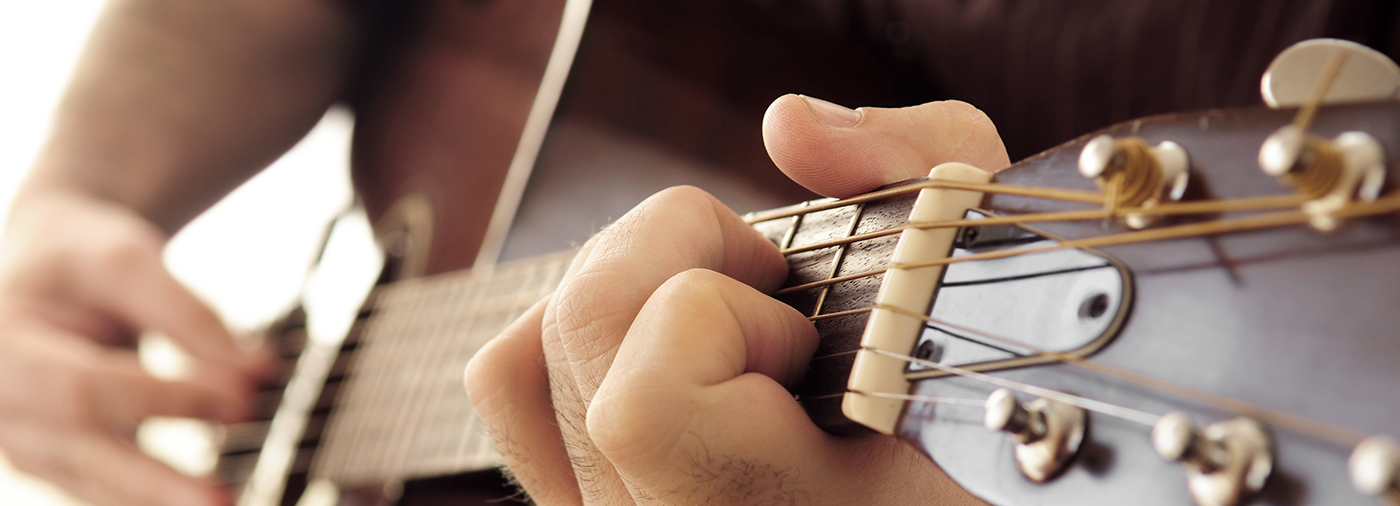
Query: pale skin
173, 105
177, 102
658, 373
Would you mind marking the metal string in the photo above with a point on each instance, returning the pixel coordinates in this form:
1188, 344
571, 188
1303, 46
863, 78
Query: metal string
1383, 205
1112, 410
1321, 430
951, 401
1298, 423
1171, 209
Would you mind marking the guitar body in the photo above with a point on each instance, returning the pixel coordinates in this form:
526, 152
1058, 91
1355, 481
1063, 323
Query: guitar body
439, 112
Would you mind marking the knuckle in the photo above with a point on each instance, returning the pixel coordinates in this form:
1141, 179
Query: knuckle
623, 421
127, 249
969, 116
484, 373
584, 304
689, 288
683, 195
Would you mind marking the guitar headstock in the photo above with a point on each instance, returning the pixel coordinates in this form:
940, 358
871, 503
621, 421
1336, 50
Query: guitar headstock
1259, 318
1186, 308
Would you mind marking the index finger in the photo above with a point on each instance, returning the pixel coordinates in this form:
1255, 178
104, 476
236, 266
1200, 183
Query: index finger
674, 231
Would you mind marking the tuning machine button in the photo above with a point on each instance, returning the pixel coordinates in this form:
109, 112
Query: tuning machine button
1368, 75
1375, 467
1134, 174
1047, 433
1330, 173
1225, 463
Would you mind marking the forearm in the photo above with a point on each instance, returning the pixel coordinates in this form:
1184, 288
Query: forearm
175, 102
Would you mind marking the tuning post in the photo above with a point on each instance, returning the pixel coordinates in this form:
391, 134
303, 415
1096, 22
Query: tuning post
1225, 463
1134, 174
1330, 173
1047, 433
1375, 468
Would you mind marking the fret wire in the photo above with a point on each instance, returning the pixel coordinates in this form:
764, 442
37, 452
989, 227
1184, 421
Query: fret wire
1321, 430
792, 230
1106, 408
837, 258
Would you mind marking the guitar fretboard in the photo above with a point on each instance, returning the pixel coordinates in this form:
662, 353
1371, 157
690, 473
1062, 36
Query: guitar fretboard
401, 411
404, 414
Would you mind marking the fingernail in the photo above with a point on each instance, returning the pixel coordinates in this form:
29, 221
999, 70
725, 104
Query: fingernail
831, 114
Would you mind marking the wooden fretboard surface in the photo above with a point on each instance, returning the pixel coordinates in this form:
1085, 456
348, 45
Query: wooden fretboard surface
403, 412
821, 390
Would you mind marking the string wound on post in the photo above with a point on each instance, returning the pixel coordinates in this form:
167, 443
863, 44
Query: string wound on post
1330, 173
1048, 434
1133, 174
1225, 463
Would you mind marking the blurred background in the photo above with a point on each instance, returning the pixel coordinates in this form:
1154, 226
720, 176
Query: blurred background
247, 257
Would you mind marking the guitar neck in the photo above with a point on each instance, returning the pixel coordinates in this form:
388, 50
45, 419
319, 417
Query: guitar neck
402, 413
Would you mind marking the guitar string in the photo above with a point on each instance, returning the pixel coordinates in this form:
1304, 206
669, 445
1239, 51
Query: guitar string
951, 401
1315, 428
1324, 83
1298, 423
1172, 209
1106, 408
1383, 205
1077, 196
1080, 196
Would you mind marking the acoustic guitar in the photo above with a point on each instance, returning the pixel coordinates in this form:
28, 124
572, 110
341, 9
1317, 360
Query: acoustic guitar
1143, 315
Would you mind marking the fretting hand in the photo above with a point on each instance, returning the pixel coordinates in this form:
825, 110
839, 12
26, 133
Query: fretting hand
659, 371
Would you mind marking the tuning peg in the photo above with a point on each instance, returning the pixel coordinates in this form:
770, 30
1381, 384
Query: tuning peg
1004, 413
1177, 439
1225, 463
1047, 433
1375, 467
1147, 175
1367, 75
1330, 173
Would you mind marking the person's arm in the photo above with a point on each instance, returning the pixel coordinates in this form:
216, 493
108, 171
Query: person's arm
174, 103
658, 371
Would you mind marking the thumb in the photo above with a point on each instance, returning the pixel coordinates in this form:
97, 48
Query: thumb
836, 151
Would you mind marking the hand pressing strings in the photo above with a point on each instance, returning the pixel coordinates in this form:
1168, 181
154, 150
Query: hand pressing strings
659, 371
